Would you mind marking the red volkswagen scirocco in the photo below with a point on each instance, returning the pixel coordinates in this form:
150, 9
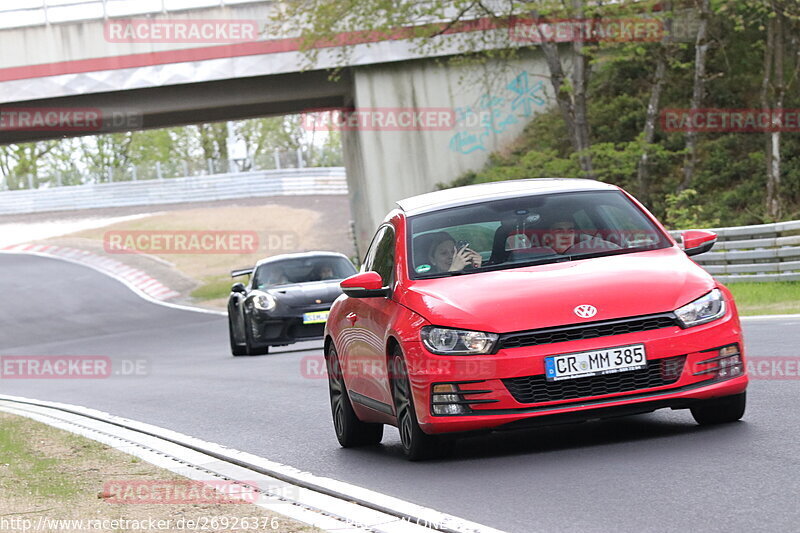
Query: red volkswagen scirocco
509, 304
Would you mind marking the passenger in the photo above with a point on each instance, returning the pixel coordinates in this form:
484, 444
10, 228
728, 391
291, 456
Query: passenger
564, 238
562, 235
277, 276
322, 271
445, 257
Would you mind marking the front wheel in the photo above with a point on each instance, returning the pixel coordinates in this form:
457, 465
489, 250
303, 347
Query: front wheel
236, 348
720, 410
350, 431
417, 445
250, 348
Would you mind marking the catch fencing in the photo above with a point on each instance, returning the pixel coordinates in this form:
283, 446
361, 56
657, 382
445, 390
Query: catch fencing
764, 252
296, 181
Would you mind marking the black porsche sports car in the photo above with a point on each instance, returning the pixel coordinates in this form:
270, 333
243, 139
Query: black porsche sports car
287, 299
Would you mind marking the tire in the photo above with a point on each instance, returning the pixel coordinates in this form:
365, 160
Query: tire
720, 410
249, 347
236, 349
350, 431
417, 445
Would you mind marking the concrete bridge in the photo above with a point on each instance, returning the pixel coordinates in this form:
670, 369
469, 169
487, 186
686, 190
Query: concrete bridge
418, 121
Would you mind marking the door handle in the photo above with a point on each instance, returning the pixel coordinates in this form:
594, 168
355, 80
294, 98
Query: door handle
352, 317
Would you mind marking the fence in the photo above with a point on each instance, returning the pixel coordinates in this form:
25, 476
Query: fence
179, 168
765, 252
177, 190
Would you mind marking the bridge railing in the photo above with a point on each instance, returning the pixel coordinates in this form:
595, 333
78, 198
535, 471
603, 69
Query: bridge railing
41, 12
763, 252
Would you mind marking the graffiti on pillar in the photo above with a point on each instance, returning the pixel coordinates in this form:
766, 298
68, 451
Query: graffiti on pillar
493, 115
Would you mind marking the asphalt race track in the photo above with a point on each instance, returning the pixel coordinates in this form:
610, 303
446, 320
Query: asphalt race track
657, 472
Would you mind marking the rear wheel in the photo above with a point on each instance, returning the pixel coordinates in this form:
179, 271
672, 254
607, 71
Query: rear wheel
236, 348
720, 410
350, 431
417, 445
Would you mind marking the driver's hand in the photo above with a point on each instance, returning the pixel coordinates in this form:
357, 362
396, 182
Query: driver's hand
463, 257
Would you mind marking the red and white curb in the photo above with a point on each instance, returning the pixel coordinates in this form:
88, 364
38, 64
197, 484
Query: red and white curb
133, 277
321, 502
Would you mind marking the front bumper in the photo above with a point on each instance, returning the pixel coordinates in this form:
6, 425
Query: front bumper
492, 405
287, 328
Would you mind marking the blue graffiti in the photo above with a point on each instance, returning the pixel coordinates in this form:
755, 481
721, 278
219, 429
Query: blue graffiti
493, 115
526, 95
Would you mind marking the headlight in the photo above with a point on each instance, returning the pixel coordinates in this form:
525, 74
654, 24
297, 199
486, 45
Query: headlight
263, 301
446, 341
705, 309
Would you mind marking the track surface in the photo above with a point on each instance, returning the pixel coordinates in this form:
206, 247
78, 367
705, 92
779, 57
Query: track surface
657, 472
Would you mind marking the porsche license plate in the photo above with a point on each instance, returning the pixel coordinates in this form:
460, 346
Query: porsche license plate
315, 318
595, 363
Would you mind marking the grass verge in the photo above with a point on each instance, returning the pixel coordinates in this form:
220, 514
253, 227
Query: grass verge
766, 298
52, 480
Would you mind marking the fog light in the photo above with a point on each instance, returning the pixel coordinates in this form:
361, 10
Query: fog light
446, 400
727, 364
727, 351
730, 366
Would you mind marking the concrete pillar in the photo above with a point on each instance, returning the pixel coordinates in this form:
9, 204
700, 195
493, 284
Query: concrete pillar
488, 108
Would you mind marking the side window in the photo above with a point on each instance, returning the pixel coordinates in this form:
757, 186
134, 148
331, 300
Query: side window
369, 259
381, 255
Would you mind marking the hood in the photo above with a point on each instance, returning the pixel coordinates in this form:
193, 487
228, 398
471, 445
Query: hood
638, 283
303, 294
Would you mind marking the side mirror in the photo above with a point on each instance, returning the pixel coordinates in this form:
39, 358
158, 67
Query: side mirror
364, 285
696, 242
238, 287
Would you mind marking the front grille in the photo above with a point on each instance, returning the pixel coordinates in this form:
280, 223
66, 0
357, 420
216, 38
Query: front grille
586, 331
536, 389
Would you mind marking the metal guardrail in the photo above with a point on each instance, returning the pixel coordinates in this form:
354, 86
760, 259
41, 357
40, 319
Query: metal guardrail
764, 252
284, 182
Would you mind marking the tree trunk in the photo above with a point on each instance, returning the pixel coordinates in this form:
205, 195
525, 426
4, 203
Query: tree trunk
580, 82
571, 103
773, 62
653, 106
698, 92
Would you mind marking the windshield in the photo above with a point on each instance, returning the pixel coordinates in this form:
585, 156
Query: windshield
302, 270
530, 230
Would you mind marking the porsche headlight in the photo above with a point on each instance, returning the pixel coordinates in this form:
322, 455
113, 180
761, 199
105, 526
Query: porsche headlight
705, 309
263, 301
446, 341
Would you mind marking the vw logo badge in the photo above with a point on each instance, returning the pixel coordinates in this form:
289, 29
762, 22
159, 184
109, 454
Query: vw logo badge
585, 311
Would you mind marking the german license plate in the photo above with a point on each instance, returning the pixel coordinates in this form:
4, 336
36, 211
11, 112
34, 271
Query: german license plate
595, 363
315, 318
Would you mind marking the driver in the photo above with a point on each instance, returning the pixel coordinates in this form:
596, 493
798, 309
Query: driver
444, 256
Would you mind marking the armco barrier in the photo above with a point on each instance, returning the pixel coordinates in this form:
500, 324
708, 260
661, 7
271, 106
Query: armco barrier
284, 182
765, 252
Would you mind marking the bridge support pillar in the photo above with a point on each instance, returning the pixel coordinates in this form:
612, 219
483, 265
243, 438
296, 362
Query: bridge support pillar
421, 123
